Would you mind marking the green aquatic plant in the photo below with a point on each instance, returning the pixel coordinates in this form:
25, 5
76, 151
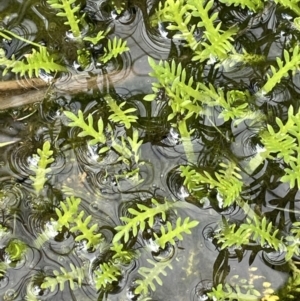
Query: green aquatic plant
40, 166
118, 115
291, 4
215, 43
87, 232
75, 275
141, 217
234, 293
106, 274
68, 9
150, 275
282, 144
121, 255
100, 36
171, 234
119, 5
227, 181
292, 241
33, 62
70, 218
69, 211
290, 64
255, 229
99, 135
254, 5
114, 48
179, 15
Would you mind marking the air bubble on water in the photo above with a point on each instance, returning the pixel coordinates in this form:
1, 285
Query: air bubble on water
47, 78
33, 161
183, 192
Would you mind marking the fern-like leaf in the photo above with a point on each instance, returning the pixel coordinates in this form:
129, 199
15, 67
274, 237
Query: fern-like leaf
43, 158
100, 36
284, 144
219, 41
107, 274
32, 64
114, 48
183, 97
253, 5
88, 128
150, 275
118, 115
178, 14
121, 255
68, 10
145, 215
262, 231
291, 63
76, 274
255, 229
171, 234
68, 213
87, 232
291, 4
292, 242
230, 293
231, 235
227, 181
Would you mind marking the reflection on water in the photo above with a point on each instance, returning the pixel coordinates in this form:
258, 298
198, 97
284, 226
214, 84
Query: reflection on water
98, 179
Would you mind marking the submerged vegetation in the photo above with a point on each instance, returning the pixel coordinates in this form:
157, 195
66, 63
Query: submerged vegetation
199, 110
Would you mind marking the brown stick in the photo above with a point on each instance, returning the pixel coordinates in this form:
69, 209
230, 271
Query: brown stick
23, 92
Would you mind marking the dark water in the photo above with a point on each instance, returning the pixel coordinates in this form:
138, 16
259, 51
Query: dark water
198, 264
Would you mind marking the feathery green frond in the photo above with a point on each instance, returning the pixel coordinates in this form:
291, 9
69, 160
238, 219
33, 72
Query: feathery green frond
263, 232
87, 232
290, 64
172, 234
100, 36
227, 181
135, 145
107, 274
285, 144
68, 9
32, 64
88, 128
144, 215
118, 115
75, 275
183, 96
114, 48
43, 158
292, 242
254, 229
219, 41
68, 213
150, 275
233, 293
121, 255
253, 5
178, 14
229, 236
291, 4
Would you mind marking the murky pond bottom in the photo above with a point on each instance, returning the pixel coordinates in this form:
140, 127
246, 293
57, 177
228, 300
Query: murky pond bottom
117, 184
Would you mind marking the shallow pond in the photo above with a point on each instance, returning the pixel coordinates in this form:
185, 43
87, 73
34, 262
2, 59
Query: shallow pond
93, 221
